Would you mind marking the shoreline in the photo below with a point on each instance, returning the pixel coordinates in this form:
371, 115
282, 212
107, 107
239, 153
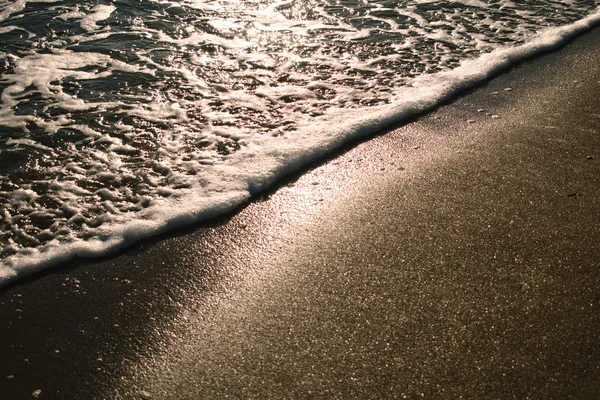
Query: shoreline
455, 255
432, 91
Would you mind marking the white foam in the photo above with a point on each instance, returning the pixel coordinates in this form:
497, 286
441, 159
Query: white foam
41, 70
99, 13
89, 18
13, 6
6, 29
28, 143
262, 160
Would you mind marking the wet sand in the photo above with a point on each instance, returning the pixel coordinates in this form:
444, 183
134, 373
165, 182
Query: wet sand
455, 256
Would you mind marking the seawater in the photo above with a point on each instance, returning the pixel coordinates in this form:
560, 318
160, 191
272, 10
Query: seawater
120, 120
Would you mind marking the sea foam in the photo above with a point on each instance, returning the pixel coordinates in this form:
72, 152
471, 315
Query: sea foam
105, 203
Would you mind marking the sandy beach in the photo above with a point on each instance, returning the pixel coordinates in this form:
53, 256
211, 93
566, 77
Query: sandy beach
455, 256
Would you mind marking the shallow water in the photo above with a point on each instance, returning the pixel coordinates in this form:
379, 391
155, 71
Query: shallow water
121, 120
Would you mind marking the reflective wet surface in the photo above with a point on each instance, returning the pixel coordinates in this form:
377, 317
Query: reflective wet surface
114, 112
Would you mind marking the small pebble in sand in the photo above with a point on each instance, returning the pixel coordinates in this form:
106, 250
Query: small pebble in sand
416, 147
495, 116
495, 93
145, 395
589, 158
36, 394
508, 89
480, 110
471, 121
